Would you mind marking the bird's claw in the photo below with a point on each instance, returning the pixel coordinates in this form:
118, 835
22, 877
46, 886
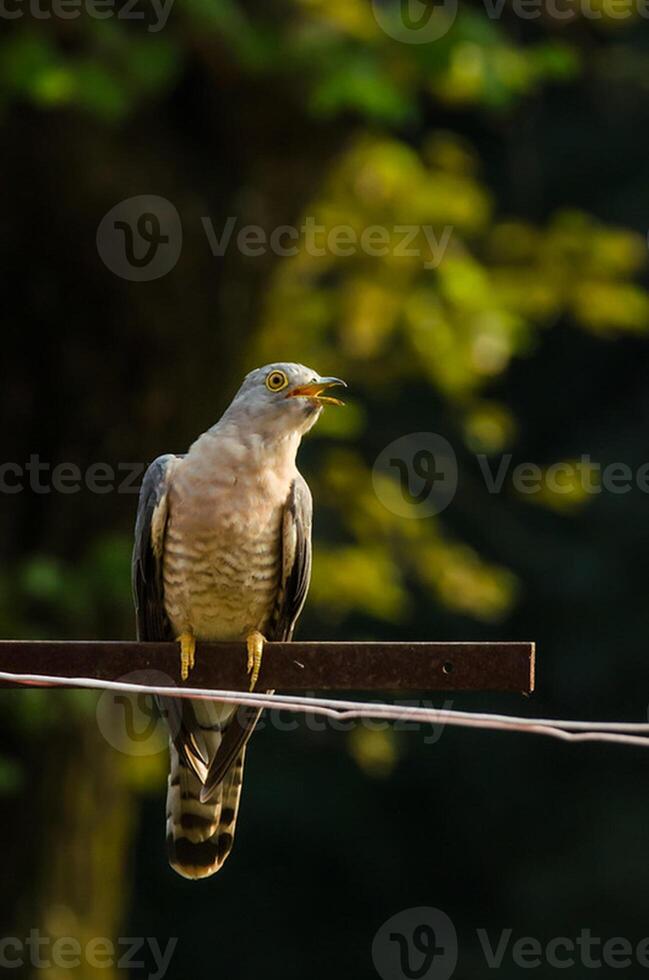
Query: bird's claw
187, 654
255, 645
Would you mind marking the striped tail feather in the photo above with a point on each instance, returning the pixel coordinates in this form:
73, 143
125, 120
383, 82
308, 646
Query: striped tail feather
200, 834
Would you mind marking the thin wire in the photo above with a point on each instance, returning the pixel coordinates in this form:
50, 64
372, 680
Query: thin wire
621, 733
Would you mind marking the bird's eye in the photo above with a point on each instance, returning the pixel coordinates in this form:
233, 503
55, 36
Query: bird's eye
276, 380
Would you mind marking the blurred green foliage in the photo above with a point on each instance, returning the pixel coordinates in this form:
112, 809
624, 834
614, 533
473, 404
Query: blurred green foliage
456, 328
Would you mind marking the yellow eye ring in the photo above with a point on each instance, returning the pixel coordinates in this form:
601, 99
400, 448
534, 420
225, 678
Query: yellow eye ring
276, 380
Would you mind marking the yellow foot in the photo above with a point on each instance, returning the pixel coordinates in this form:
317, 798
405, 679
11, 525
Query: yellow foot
187, 653
255, 643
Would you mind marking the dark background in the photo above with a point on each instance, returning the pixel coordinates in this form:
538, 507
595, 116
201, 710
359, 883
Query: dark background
528, 138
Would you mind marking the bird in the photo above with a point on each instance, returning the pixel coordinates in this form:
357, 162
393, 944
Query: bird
222, 551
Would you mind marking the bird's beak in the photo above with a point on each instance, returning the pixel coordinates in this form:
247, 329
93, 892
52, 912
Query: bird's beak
315, 388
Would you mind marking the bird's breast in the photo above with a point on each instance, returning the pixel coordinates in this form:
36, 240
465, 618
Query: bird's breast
222, 558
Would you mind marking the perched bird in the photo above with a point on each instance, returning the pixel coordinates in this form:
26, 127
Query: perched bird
223, 552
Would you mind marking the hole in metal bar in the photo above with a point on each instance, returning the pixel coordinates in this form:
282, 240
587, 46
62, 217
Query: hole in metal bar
447, 668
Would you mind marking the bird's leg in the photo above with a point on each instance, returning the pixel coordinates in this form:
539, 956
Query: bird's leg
187, 653
255, 644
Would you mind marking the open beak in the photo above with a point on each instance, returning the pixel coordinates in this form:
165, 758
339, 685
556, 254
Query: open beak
315, 388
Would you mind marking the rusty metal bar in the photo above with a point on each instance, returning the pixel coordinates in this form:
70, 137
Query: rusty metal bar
312, 666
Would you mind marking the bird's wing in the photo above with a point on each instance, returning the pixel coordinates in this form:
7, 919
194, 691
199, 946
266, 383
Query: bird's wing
148, 594
291, 595
296, 561
146, 565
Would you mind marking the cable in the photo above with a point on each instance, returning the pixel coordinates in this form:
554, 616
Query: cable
621, 733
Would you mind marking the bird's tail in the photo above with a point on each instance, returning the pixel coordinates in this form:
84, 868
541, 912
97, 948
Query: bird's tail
200, 834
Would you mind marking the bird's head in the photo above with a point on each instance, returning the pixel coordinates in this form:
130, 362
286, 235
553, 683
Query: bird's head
284, 398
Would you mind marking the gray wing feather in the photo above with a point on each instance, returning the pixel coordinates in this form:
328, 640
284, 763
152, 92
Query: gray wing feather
146, 565
291, 596
296, 561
